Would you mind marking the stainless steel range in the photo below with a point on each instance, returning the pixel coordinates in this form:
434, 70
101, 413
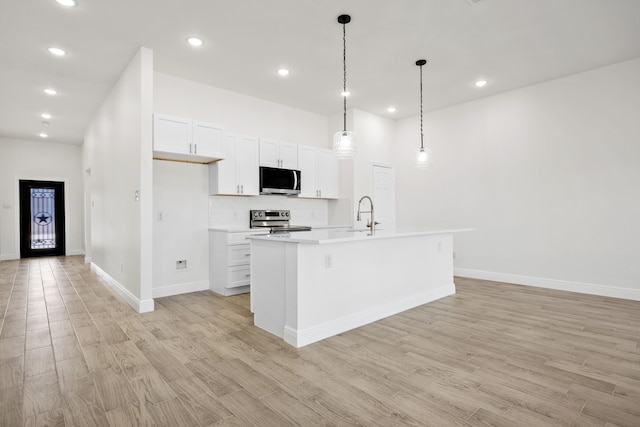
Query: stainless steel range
277, 221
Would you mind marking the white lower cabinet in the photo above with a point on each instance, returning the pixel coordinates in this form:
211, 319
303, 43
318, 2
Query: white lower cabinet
230, 264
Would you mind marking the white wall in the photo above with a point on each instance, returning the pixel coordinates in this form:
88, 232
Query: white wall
44, 161
375, 136
238, 113
118, 152
548, 175
180, 227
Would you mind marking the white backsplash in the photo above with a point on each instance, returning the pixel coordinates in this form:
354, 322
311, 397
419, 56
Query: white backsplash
233, 211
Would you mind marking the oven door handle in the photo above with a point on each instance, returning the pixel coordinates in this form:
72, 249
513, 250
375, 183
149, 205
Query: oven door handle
295, 180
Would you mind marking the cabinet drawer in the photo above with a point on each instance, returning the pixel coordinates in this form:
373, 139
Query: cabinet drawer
239, 276
237, 239
238, 254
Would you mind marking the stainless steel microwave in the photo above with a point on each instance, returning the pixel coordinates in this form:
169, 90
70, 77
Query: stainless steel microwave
279, 181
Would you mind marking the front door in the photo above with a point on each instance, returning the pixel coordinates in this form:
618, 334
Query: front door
41, 218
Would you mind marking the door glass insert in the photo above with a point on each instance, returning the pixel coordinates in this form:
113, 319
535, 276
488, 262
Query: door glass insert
43, 232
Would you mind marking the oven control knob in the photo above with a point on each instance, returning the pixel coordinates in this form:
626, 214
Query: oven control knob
260, 214
286, 213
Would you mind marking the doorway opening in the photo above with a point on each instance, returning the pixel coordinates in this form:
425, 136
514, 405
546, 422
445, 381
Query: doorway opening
42, 222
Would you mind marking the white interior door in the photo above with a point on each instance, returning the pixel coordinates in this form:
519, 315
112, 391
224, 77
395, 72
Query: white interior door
384, 197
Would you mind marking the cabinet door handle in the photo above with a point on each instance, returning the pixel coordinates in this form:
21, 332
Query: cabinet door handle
247, 275
320, 191
242, 188
247, 254
195, 148
189, 148
237, 189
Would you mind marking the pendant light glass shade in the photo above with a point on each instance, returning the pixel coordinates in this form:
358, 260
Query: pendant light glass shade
344, 141
344, 144
423, 155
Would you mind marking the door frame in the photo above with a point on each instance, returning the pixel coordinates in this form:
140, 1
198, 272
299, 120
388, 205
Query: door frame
389, 166
16, 210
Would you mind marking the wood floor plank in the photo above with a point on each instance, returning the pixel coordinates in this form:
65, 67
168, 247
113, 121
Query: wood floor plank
53, 418
171, 413
41, 394
113, 388
82, 406
38, 361
99, 356
251, 411
132, 415
11, 401
621, 411
73, 374
11, 372
148, 384
200, 400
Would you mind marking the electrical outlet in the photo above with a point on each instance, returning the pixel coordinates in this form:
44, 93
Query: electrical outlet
160, 216
181, 264
328, 261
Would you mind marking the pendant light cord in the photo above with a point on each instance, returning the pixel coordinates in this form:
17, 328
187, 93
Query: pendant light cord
421, 133
344, 75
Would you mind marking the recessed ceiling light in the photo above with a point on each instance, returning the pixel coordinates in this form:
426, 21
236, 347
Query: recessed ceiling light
391, 109
345, 93
481, 83
45, 115
43, 135
283, 72
195, 41
50, 91
68, 3
57, 51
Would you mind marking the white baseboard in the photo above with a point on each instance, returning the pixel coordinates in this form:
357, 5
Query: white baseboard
299, 338
560, 285
9, 257
227, 292
87, 260
181, 288
141, 306
73, 252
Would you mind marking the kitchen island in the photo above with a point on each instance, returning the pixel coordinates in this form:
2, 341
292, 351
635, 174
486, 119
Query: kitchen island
308, 286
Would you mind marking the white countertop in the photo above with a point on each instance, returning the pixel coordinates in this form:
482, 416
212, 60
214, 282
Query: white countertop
324, 236
243, 229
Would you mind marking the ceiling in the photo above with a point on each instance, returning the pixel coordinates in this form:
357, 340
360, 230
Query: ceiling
511, 43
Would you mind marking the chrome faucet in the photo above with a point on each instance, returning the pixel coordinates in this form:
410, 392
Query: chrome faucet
371, 223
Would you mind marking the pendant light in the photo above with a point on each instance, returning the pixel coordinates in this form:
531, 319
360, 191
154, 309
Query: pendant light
423, 155
344, 141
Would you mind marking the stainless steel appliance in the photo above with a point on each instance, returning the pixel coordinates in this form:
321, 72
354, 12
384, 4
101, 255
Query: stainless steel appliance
277, 221
279, 181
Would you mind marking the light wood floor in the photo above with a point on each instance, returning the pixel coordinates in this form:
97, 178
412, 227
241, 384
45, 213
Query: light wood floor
72, 353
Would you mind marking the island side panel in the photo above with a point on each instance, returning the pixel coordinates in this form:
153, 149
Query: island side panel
345, 285
268, 277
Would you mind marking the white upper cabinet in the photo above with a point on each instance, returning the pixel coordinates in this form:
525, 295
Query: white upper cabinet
237, 174
207, 140
319, 169
177, 138
307, 162
277, 154
327, 178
